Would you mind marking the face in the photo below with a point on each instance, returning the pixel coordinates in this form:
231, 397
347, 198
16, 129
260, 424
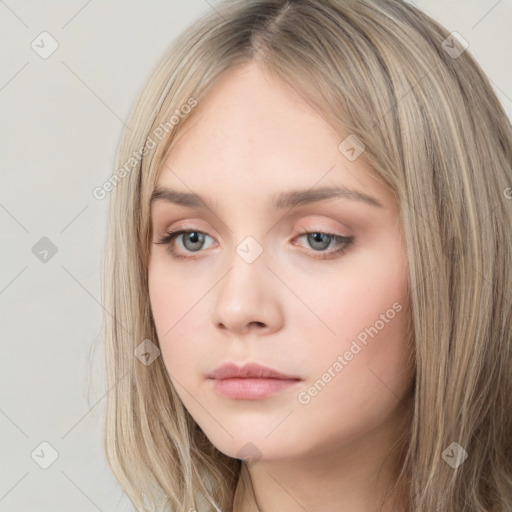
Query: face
274, 266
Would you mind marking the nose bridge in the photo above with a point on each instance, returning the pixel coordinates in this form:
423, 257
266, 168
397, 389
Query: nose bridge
242, 286
244, 297
249, 250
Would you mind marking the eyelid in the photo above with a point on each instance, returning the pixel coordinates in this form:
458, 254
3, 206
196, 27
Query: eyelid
180, 229
299, 231
344, 241
316, 228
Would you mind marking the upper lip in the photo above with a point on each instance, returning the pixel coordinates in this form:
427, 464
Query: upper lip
249, 370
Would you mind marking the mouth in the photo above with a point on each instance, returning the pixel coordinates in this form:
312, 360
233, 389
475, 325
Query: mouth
249, 382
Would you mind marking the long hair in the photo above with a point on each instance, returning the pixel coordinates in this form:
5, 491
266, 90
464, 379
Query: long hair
436, 135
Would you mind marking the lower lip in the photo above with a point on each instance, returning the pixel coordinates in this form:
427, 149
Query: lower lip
251, 389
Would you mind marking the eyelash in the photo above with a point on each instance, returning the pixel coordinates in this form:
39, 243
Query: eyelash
171, 235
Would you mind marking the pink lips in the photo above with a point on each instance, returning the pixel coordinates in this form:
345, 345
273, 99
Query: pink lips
249, 382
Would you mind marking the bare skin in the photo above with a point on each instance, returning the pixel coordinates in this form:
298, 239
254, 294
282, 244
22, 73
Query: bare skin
300, 307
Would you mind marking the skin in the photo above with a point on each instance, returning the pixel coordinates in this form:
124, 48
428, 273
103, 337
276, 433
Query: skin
251, 138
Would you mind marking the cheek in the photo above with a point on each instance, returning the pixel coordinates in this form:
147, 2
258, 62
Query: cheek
366, 364
364, 301
358, 378
171, 295
178, 311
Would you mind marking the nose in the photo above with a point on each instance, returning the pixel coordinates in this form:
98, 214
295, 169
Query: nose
248, 299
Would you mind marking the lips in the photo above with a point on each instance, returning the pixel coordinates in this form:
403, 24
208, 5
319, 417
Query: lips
248, 371
249, 382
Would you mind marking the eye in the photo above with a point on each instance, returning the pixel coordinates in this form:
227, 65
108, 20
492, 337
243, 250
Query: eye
319, 241
191, 241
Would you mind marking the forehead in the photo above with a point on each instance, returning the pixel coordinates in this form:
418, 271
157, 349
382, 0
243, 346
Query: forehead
249, 110
252, 132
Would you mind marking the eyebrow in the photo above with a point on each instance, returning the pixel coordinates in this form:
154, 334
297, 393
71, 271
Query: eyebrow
283, 200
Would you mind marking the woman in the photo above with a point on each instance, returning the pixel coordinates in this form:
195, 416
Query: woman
307, 269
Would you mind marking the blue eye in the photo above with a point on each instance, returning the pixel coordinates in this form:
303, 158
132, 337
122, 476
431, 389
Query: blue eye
319, 241
194, 241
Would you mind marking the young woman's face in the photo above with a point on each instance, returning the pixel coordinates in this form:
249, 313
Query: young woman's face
277, 269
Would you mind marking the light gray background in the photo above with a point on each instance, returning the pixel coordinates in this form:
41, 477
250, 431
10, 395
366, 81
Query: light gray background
61, 118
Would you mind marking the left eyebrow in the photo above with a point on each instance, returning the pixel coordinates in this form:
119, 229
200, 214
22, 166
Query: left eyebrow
283, 200
297, 197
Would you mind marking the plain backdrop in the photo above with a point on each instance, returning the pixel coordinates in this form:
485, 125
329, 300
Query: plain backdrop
61, 117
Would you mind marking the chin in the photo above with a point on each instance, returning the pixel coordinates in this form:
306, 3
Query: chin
252, 446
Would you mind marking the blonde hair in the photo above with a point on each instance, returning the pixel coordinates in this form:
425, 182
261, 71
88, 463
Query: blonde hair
436, 135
